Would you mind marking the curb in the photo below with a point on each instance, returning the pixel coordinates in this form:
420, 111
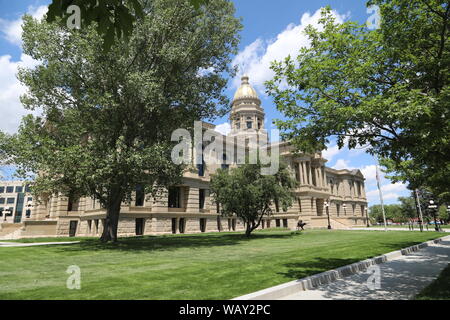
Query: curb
326, 277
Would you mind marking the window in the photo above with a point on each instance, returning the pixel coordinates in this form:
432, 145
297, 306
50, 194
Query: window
201, 169
249, 124
9, 189
174, 197
10, 200
202, 199
2, 200
29, 199
140, 196
1, 211
2, 189
225, 166
27, 189
202, 224
238, 125
19, 189
140, 226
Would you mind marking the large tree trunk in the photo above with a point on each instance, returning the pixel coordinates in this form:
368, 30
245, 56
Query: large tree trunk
111, 221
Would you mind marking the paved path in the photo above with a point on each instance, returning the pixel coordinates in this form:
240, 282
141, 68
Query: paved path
400, 229
401, 279
31, 244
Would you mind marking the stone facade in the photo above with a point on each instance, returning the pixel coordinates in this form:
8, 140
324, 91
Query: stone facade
189, 207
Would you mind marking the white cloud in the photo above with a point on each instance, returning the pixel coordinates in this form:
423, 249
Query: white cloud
12, 29
11, 89
224, 128
370, 172
342, 164
331, 152
256, 58
390, 191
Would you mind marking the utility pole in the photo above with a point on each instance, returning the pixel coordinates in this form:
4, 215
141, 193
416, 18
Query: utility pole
419, 208
381, 200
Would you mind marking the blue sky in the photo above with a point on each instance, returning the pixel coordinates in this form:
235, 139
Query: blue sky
272, 30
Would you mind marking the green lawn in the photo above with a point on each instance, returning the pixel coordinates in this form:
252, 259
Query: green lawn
439, 289
206, 266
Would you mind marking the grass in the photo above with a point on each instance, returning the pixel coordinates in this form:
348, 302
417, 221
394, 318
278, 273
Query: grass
439, 289
204, 266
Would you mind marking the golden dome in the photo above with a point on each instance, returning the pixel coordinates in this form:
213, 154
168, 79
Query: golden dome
246, 91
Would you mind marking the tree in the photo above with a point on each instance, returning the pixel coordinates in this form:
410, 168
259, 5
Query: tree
386, 89
443, 213
114, 18
249, 195
107, 118
408, 208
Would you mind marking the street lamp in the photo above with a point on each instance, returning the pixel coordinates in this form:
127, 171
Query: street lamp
5, 213
327, 206
29, 206
367, 217
433, 207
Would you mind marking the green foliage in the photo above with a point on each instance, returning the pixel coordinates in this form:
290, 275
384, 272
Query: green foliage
114, 18
443, 213
393, 212
386, 89
249, 195
106, 119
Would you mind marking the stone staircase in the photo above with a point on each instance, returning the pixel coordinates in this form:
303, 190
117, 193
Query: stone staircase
10, 231
337, 225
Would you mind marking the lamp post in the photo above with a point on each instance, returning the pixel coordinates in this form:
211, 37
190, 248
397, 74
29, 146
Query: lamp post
327, 206
29, 206
433, 207
367, 217
5, 213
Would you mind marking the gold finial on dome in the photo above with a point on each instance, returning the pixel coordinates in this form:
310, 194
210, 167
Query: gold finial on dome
245, 79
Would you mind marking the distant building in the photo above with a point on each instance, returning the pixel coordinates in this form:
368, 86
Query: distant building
189, 207
16, 199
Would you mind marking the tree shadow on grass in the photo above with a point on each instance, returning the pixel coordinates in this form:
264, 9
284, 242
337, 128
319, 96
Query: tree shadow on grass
304, 269
174, 242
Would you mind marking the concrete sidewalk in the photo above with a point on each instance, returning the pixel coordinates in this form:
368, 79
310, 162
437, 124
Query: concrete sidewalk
416, 229
32, 244
401, 278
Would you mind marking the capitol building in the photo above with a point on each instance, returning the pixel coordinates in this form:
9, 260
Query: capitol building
324, 195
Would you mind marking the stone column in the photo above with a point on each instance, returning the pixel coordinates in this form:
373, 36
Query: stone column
62, 204
300, 174
313, 206
319, 177
308, 172
193, 200
324, 177
40, 209
53, 202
